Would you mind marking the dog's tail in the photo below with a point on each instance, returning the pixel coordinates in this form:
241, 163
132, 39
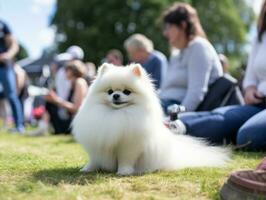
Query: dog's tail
193, 152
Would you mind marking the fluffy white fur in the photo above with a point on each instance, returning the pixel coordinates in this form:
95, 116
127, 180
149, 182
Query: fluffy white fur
127, 135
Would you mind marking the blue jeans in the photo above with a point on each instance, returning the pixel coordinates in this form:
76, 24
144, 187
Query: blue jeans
168, 102
238, 124
8, 80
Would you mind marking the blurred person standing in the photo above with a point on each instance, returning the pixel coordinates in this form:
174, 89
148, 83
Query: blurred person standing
3, 109
22, 84
8, 49
140, 50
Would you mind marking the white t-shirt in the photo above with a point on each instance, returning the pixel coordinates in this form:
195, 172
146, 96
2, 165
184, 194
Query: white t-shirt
256, 68
62, 85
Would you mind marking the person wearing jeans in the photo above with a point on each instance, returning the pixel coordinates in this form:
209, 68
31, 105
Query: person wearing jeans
8, 49
243, 125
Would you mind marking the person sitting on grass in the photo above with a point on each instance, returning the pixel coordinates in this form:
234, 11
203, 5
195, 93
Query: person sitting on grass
244, 125
140, 49
115, 57
195, 66
75, 71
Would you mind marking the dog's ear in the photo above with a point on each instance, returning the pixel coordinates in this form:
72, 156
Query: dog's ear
102, 69
136, 70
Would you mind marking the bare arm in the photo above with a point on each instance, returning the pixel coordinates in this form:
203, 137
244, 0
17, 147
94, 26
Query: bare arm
79, 94
250, 82
12, 48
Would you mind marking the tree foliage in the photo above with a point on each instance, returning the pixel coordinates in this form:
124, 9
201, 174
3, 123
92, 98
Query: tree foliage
22, 53
226, 23
98, 25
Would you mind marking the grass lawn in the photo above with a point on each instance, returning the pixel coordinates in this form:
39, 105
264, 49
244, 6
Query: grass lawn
48, 168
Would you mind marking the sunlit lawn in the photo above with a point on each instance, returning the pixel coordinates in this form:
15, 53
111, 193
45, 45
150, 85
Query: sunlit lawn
48, 168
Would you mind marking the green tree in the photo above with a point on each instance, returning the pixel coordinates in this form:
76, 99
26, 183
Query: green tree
98, 26
22, 53
226, 23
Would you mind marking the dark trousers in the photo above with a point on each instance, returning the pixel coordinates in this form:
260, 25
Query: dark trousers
60, 125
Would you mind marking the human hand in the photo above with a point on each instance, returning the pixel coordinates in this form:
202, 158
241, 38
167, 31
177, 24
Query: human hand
252, 96
259, 95
51, 97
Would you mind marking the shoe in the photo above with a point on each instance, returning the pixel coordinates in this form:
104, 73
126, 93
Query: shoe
20, 130
246, 184
177, 127
41, 130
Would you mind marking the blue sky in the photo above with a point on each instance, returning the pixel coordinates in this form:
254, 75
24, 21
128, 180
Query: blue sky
29, 21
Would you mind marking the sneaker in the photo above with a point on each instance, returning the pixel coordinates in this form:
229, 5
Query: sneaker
41, 130
20, 130
177, 127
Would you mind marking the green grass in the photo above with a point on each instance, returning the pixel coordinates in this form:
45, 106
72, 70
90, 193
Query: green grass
48, 168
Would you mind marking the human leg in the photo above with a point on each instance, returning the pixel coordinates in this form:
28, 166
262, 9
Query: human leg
219, 124
253, 133
7, 78
59, 125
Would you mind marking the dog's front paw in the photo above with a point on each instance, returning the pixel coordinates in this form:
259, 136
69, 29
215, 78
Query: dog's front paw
125, 171
88, 168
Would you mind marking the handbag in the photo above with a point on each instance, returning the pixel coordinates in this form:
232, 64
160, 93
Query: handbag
223, 92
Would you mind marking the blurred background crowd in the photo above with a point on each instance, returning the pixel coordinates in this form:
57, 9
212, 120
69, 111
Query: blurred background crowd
46, 83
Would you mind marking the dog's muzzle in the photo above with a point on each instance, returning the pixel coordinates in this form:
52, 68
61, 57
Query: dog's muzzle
117, 102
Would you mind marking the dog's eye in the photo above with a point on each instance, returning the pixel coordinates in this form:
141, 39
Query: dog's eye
126, 92
110, 91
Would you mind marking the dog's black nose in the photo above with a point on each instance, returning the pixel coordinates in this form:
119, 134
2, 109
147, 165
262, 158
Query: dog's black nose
116, 96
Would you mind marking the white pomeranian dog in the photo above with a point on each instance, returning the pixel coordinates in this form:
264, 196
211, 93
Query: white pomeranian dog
120, 125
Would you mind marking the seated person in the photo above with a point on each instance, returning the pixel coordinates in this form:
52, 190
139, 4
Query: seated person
62, 84
195, 66
115, 57
243, 125
61, 123
74, 72
90, 72
140, 50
